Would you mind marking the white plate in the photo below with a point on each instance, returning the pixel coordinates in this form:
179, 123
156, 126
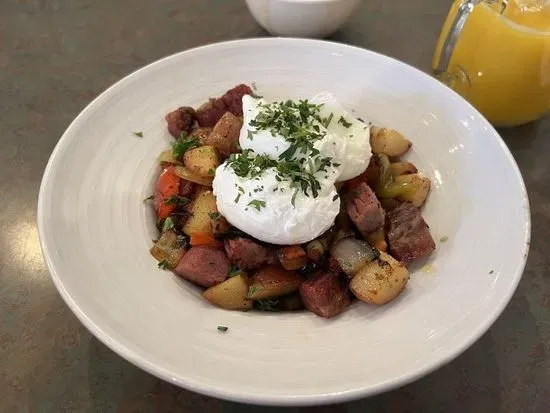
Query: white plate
96, 232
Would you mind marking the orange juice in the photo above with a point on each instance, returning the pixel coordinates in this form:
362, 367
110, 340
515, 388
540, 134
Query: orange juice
501, 60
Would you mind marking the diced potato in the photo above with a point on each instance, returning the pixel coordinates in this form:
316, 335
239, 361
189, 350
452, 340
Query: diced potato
377, 239
402, 168
418, 191
166, 157
200, 209
271, 282
292, 257
219, 225
185, 173
380, 281
201, 134
388, 141
230, 294
202, 161
168, 249
225, 135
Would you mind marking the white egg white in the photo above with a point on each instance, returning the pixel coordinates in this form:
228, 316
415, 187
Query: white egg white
346, 140
278, 221
352, 135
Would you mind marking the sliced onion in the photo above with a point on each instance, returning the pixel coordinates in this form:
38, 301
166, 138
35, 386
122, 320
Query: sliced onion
353, 254
166, 157
185, 173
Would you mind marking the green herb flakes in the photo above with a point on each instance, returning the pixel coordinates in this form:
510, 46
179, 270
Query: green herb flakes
344, 122
163, 265
178, 201
266, 305
257, 203
168, 224
234, 270
138, 134
223, 329
214, 215
182, 145
253, 290
148, 199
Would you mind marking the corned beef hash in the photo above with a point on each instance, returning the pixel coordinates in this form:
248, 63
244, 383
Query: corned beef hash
281, 205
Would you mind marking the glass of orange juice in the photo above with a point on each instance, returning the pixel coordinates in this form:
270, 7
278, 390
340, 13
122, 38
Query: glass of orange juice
496, 54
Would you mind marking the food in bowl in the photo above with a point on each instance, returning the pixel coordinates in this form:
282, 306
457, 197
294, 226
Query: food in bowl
287, 205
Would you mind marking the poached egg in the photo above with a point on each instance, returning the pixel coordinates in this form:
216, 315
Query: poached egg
269, 206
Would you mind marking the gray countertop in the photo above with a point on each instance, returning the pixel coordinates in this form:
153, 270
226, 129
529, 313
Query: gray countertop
55, 56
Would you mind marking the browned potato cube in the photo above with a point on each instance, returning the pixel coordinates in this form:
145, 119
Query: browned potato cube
271, 282
418, 191
200, 210
202, 161
402, 168
230, 294
225, 135
380, 281
201, 134
388, 141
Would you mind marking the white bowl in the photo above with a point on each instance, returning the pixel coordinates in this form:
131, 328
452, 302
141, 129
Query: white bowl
301, 18
95, 231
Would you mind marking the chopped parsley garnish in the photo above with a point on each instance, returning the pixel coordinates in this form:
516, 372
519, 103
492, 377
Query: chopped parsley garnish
163, 265
149, 198
211, 172
257, 203
344, 122
297, 122
223, 329
246, 165
138, 134
326, 122
237, 198
444, 239
234, 270
214, 215
177, 200
301, 125
267, 305
253, 289
335, 197
182, 145
168, 224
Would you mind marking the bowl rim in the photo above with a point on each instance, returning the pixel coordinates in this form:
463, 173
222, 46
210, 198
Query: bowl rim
448, 355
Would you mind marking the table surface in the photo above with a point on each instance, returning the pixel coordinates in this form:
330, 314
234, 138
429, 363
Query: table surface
55, 56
